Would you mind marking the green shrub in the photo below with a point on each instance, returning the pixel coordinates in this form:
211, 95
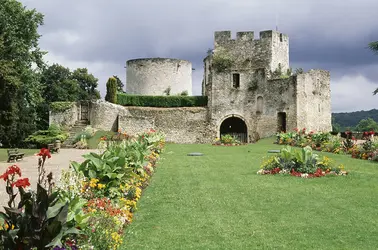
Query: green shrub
111, 90
60, 106
43, 137
161, 101
86, 134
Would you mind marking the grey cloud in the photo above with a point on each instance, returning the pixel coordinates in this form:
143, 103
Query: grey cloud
323, 34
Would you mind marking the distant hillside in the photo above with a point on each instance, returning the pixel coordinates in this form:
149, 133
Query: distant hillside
351, 119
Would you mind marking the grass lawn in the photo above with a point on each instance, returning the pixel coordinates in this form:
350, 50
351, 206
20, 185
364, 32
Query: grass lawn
4, 153
217, 201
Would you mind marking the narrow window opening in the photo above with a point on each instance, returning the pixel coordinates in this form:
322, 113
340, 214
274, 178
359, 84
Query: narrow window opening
281, 122
260, 105
236, 80
281, 39
319, 107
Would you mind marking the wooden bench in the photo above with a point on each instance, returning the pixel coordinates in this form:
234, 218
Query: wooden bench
14, 154
53, 148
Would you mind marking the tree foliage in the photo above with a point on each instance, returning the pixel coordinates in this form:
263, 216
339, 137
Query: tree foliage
20, 89
367, 125
120, 84
88, 84
351, 119
373, 46
111, 90
59, 84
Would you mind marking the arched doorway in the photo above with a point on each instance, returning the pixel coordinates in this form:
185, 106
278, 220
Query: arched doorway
236, 127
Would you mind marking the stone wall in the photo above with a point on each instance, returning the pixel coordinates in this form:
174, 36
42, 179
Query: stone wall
314, 100
181, 125
152, 76
247, 52
66, 118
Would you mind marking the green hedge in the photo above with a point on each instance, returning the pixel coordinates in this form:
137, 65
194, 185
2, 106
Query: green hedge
161, 101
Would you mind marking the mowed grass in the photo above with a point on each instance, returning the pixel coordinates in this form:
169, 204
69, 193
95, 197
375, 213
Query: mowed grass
4, 153
217, 201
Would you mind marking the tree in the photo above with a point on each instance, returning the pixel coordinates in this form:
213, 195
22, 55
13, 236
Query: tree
367, 125
59, 85
20, 90
374, 47
88, 84
120, 85
111, 90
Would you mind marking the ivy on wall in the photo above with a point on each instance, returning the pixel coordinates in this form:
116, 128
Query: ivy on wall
222, 61
60, 106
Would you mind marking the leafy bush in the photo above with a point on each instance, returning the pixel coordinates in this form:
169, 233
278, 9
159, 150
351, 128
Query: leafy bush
60, 106
43, 137
87, 134
222, 61
161, 101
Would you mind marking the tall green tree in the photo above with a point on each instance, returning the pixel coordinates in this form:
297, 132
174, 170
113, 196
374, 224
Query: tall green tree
111, 90
59, 85
20, 64
120, 84
88, 84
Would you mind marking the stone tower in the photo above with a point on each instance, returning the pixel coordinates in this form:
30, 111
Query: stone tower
246, 98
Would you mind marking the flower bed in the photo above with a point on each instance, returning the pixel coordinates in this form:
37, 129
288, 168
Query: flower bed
93, 203
301, 163
326, 142
227, 140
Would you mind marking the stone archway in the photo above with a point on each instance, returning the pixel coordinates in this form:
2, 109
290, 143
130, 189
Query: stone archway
236, 127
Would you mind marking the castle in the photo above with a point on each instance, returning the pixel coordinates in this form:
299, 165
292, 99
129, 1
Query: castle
251, 92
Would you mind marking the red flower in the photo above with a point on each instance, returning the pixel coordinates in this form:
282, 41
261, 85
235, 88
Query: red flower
12, 170
44, 153
372, 132
21, 183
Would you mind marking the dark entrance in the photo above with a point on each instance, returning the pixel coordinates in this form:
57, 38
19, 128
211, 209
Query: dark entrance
236, 127
84, 111
281, 120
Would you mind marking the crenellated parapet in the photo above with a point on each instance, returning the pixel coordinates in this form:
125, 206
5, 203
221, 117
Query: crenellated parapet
224, 37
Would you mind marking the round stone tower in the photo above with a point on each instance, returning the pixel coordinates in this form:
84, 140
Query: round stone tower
153, 76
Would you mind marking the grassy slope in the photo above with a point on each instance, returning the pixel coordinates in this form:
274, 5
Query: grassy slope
218, 202
4, 153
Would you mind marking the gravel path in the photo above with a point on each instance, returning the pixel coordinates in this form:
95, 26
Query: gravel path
29, 168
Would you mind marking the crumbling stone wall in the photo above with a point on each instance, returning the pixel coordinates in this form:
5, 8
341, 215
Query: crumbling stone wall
66, 118
181, 125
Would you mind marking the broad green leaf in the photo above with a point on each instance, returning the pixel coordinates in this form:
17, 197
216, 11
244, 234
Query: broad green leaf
54, 210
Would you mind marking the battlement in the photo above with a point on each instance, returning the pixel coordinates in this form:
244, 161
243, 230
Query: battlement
243, 36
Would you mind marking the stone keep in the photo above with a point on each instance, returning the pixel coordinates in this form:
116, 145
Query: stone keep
240, 85
251, 94
152, 76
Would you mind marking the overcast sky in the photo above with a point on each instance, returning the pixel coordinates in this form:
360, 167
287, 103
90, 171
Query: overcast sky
102, 35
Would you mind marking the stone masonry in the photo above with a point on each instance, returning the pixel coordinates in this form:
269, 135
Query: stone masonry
247, 98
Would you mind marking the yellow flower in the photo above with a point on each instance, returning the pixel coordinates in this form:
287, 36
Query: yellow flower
100, 186
93, 182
